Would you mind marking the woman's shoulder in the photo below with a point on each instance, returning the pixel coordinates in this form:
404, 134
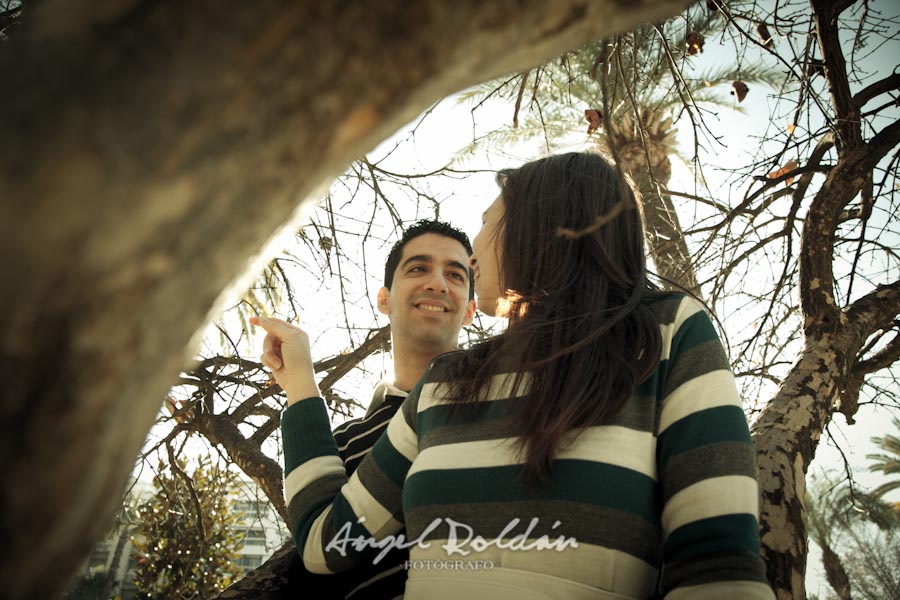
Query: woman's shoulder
443, 365
669, 306
674, 311
457, 363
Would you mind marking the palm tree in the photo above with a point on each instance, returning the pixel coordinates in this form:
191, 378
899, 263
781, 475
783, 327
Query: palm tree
636, 85
839, 514
887, 462
826, 514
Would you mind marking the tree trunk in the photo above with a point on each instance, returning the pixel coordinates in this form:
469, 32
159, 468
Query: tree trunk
667, 244
271, 580
149, 152
786, 435
649, 166
112, 574
835, 573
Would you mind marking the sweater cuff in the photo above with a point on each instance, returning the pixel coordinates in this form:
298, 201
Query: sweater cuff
306, 433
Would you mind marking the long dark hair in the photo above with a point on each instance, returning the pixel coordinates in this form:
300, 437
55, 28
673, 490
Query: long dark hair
572, 260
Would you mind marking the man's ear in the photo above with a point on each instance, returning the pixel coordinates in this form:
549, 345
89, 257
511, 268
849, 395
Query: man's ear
470, 313
384, 301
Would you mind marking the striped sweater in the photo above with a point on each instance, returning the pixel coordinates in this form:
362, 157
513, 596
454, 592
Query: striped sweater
669, 480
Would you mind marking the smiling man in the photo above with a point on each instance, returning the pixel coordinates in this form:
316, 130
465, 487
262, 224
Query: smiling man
428, 295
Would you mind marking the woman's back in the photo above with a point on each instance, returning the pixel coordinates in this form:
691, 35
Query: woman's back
675, 464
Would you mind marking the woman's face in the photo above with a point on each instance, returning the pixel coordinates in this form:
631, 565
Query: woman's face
486, 255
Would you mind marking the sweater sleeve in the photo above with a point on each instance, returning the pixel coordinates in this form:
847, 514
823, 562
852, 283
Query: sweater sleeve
707, 470
339, 522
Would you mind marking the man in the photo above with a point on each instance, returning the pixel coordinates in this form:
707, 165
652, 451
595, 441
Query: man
428, 295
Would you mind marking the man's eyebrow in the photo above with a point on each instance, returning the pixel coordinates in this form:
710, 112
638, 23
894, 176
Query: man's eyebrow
458, 265
426, 258
417, 258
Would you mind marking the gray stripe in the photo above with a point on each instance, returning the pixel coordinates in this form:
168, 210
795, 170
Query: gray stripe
380, 487
713, 460
638, 413
326, 487
467, 432
666, 308
600, 526
738, 566
699, 360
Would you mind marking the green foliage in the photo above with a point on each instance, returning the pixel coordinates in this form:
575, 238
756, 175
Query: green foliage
182, 552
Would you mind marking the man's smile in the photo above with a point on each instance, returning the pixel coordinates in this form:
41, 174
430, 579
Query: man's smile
432, 307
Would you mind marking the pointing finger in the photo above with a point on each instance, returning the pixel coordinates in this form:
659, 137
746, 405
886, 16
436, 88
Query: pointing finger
275, 326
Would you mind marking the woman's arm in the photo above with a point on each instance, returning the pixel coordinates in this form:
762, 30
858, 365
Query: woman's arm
336, 522
707, 470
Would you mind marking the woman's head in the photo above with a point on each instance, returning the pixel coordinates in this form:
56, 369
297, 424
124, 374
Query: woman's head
558, 223
561, 254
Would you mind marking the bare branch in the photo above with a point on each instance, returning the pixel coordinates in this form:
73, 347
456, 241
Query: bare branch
881, 359
846, 120
842, 184
879, 87
378, 339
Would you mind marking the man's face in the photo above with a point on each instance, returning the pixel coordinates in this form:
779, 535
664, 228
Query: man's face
429, 298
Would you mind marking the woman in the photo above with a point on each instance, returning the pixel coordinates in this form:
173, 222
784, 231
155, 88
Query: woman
596, 440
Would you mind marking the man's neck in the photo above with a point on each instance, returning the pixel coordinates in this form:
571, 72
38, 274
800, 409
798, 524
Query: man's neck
410, 364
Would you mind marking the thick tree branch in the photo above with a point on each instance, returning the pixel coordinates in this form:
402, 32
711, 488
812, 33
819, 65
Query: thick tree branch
876, 310
847, 179
153, 149
882, 359
267, 473
341, 365
269, 581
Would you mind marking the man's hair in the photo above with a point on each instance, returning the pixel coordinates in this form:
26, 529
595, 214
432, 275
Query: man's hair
421, 228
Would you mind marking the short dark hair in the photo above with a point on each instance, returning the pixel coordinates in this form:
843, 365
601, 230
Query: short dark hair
421, 228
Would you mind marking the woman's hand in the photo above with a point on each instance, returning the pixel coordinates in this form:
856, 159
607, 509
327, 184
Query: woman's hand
286, 353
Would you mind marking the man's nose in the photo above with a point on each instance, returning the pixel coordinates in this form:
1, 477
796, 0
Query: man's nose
437, 283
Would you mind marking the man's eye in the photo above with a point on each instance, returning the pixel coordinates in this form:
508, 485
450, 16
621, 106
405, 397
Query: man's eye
417, 269
458, 276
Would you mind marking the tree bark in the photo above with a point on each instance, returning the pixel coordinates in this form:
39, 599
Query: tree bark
786, 435
149, 152
835, 573
271, 580
649, 165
